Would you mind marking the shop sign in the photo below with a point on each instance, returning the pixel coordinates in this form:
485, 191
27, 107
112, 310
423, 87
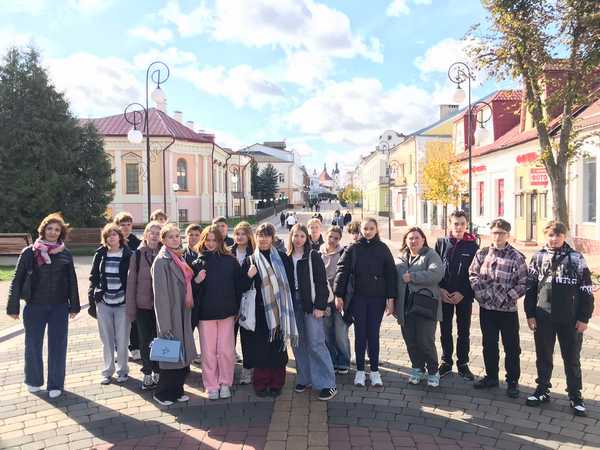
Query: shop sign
475, 169
538, 176
527, 158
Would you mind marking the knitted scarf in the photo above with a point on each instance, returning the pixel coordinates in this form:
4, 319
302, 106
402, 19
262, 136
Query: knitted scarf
43, 249
188, 274
277, 298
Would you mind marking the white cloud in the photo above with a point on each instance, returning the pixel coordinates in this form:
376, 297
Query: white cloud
191, 23
33, 7
172, 57
301, 146
161, 37
10, 37
401, 7
226, 139
355, 112
93, 85
242, 85
90, 6
306, 69
439, 57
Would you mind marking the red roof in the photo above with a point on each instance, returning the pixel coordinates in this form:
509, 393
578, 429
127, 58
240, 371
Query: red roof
498, 96
325, 176
159, 122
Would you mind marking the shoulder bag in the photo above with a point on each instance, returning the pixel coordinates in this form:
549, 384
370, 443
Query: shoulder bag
247, 314
423, 304
166, 349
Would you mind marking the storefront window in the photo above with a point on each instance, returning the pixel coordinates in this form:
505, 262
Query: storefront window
589, 190
480, 193
500, 194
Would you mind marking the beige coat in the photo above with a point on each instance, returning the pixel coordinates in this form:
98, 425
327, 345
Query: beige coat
168, 285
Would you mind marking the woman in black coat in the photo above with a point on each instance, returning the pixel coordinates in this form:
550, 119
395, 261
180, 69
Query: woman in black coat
371, 265
45, 278
268, 344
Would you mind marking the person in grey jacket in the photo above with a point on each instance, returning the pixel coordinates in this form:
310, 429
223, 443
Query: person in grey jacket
420, 270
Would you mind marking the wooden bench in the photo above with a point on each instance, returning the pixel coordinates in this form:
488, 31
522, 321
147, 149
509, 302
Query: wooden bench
13, 243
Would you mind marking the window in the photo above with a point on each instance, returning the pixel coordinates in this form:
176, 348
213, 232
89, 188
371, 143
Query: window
182, 174
425, 212
500, 198
281, 178
480, 194
183, 216
520, 183
589, 190
132, 179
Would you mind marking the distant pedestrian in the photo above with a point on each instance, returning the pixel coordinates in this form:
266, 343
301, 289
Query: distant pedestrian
347, 218
45, 278
370, 264
108, 284
419, 271
159, 216
282, 218
291, 221
498, 276
558, 304
173, 302
139, 300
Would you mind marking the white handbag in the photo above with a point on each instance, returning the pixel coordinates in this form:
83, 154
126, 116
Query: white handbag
247, 314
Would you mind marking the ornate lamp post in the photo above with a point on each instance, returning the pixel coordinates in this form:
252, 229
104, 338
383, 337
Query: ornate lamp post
384, 148
158, 72
458, 73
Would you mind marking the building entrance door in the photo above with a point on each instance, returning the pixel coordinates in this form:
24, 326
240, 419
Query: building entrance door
532, 217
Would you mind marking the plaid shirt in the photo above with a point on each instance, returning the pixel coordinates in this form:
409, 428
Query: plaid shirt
498, 278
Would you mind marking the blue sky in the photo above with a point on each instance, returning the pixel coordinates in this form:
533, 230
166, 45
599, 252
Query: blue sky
326, 75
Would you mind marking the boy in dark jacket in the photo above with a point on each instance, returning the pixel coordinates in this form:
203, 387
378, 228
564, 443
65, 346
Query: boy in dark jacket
457, 252
558, 303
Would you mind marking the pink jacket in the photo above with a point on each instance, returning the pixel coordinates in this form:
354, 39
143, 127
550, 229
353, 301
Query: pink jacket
139, 281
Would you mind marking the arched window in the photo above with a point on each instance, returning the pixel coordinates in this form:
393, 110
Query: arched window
182, 174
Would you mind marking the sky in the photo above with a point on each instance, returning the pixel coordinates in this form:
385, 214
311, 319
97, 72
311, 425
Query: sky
326, 76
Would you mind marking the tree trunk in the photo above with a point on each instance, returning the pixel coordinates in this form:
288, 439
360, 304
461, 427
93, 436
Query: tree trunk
558, 182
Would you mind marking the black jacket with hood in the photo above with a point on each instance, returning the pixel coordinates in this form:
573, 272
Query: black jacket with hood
457, 256
319, 277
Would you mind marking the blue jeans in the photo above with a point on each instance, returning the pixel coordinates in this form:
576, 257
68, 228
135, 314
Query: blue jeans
35, 320
368, 314
313, 363
336, 338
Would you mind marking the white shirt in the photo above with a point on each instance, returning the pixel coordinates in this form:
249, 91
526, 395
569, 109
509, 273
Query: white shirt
291, 220
295, 259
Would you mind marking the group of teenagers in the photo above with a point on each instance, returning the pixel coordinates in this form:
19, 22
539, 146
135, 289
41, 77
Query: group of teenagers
306, 295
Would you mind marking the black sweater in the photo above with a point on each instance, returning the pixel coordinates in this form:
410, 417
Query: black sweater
218, 296
320, 280
375, 272
51, 284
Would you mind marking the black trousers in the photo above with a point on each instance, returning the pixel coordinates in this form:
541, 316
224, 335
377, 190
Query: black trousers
170, 384
134, 343
569, 341
463, 312
368, 314
146, 330
493, 324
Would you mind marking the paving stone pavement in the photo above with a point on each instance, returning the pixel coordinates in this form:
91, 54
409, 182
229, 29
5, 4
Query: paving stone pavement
454, 416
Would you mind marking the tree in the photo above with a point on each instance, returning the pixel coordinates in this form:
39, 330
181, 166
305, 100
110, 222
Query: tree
254, 179
268, 181
48, 162
524, 39
441, 177
350, 195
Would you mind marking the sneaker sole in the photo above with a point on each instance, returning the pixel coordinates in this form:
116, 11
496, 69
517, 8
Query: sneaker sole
324, 399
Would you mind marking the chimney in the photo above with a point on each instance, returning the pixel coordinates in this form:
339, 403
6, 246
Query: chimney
162, 106
447, 110
178, 116
190, 124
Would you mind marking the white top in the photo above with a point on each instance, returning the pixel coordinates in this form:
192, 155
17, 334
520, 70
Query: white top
291, 220
240, 255
295, 259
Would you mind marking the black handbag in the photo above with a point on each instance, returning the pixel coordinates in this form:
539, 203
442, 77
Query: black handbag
424, 304
26, 286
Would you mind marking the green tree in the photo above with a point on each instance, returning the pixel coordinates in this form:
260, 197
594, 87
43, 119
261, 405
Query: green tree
441, 177
48, 162
254, 179
268, 182
523, 40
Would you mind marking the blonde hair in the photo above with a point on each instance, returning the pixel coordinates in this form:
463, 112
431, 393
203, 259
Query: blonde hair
313, 221
149, 227
166, 229
247, 229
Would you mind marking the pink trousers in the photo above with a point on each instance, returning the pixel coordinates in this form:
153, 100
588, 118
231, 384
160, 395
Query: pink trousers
218, 352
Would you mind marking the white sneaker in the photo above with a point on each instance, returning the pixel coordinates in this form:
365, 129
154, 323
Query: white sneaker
183, 398
33, 389
360, 378
122, 378
135, 355
375, 379
246, 376
238, 357
54, 393
162, 402
105, 380
225, 392
213, 395
156, 378
148, 383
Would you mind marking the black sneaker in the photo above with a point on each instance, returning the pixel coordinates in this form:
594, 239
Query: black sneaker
445, 369
578, 407
513, 390
465, 373
486, 383
342, 370
275, 392
541, 395
300, 388
327, 394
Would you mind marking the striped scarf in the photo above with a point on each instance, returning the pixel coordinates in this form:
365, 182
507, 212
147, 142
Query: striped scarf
277, 298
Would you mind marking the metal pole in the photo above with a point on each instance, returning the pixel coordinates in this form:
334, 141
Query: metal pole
389, 180
469, 146
148, 150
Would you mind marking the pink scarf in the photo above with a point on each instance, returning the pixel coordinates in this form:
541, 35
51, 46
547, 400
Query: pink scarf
43, 249
188, 274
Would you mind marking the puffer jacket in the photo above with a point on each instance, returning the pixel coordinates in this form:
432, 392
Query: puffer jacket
138, 294
51, 284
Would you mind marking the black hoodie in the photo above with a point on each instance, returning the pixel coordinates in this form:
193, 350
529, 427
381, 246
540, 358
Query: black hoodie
457, 257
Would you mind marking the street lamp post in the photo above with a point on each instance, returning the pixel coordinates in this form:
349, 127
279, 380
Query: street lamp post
175, 190
158, 72
458, 73
384, 148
